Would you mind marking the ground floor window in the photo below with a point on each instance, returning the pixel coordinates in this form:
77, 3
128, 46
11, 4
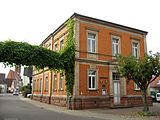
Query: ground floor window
92, 79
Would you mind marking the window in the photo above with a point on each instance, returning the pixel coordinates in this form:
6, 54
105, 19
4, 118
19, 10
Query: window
61, 43
115, 76
91, 42
135, 51
55, 82
61, 81
34, 85
38, 88
136, 87
40, 85
46, 84
55, 46
92, 79
115, 46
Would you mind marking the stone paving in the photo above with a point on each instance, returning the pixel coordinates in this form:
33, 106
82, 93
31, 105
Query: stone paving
104, 113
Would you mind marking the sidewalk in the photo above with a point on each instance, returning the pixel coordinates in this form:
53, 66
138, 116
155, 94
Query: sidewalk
104, 113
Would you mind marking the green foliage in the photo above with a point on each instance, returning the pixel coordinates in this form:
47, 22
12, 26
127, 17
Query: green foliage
21, 53
148, 113
142, 71
68, 56
25, 90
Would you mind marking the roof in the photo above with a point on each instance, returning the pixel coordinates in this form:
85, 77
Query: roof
99, 21
154, 83
12, 75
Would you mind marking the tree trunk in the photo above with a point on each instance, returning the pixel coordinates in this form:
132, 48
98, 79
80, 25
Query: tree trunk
144, 98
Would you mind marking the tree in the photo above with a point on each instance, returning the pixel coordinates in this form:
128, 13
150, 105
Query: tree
142, 71
21, 53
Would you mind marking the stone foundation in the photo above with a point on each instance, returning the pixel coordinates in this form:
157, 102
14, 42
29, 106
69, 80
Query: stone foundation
59, 101
92, 102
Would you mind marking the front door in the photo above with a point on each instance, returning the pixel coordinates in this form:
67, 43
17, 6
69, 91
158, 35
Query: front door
116, 88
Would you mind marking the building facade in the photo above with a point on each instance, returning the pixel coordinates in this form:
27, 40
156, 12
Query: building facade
97, 83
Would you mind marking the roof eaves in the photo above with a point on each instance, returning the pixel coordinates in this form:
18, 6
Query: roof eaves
76, 15
109, 24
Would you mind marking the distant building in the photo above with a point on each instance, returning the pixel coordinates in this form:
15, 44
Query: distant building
3, 83
155, 85
13, 80
27, 75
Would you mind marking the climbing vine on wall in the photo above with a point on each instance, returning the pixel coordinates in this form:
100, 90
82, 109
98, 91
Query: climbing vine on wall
21, 53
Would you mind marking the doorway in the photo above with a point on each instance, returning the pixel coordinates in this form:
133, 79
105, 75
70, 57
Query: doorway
116, 88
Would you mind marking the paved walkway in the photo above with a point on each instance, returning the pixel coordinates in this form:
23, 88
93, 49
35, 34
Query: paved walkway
106, 114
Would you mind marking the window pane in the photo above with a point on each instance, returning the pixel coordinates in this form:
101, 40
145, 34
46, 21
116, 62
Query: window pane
91, 42
89, 45
89, 82
91, 35
93, 46
93, 82
92, 79
55, 82
61, 44
115, 46
135, 49
115, 76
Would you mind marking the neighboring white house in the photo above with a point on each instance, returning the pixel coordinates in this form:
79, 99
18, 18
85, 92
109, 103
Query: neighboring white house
3, 84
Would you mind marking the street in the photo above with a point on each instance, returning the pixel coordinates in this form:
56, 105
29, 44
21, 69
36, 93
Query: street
12, 108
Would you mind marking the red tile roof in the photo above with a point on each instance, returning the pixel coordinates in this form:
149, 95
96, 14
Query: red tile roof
154, 83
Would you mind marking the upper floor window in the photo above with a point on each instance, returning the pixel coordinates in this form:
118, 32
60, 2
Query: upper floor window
135, 49
61, 43
55, 46
92, 79
92, 42
115, 45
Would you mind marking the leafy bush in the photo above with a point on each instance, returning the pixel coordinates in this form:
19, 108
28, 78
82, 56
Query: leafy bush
25, 90
148, 113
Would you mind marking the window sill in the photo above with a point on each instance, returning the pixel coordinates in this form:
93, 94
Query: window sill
92, 89
137, 90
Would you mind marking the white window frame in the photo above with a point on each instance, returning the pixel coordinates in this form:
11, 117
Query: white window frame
115, 46
134, 49
136, 87
117, 76
90, 42
95, 78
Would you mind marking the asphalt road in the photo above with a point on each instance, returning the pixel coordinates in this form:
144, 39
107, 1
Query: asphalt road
12, 108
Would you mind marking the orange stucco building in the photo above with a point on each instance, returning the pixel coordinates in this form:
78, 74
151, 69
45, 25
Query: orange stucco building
97, 83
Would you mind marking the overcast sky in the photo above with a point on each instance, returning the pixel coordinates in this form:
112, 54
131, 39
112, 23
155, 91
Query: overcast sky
33, 20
